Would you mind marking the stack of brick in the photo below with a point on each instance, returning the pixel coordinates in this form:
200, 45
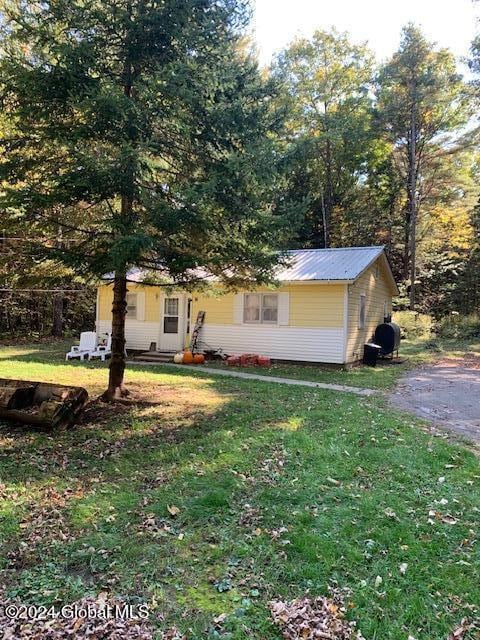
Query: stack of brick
249, 360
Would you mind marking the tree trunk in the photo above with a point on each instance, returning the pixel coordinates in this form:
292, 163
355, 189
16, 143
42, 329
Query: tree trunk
116, 388
327, 202
57, 325
412, 205
324, 223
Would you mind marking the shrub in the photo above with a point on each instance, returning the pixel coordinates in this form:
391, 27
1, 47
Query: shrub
459, 326
413, 324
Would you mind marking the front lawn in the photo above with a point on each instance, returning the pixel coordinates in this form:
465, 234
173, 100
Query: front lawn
213, 496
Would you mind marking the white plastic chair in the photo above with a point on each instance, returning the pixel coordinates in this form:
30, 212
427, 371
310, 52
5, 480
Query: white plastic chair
102, 351
88, 344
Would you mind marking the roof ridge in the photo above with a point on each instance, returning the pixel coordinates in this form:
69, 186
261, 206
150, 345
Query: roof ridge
373, 246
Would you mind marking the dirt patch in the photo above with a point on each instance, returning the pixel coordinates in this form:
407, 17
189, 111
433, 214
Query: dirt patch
446, 393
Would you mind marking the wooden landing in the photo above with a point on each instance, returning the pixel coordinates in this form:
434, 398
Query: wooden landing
155, 356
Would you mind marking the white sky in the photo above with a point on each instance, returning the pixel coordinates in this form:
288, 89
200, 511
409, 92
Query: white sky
450, 23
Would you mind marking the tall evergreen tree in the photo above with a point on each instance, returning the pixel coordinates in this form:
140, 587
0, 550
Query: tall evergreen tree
422, 103
139, 127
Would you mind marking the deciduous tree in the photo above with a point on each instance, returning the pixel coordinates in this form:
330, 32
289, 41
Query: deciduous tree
423, 104
326, 85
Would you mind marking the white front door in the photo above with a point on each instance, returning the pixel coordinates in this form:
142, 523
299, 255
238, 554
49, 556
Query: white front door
172, 322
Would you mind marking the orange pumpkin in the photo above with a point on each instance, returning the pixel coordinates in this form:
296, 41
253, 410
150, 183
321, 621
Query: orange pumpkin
187, 357
199, 358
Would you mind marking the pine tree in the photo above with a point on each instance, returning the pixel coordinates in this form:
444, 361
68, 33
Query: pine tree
140, 128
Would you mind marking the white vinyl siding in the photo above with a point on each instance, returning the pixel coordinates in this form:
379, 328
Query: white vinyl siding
139, 335
283, 343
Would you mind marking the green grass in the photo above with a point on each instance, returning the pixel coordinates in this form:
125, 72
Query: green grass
355, 486
383, 376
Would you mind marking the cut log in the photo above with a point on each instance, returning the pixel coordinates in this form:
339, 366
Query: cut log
16, 397
40, 403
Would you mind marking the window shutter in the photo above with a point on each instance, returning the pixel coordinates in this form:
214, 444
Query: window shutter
283, 308
141, 306
238, 308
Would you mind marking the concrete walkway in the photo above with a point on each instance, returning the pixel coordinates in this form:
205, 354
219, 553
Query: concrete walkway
359, 391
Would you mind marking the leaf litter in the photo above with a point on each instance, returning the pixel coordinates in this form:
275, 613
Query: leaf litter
98, 627
309, 618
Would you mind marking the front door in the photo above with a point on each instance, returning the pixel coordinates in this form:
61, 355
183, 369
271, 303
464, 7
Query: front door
172, 314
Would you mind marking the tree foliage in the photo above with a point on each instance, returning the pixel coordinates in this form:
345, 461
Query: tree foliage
326, 94
140, 128
421, 102
383, 155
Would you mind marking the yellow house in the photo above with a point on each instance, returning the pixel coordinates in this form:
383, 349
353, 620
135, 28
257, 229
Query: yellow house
327, 305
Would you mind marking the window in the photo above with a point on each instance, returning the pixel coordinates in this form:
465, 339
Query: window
170, 315
260, 308
270, 308
251, 307
362, 312
131, 306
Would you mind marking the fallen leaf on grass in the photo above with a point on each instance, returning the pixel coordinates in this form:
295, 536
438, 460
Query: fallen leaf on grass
312, 618
106, 626
460, 632
337, 483
173, 510
447, 519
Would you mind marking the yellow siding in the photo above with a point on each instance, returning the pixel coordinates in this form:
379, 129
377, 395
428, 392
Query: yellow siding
377, 292
104, 303
311, 305
219, 310
316, 305
152, 302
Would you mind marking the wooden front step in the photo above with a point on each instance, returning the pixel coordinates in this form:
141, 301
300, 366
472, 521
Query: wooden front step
155, 356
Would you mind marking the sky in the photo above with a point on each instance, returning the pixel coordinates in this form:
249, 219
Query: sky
450, 23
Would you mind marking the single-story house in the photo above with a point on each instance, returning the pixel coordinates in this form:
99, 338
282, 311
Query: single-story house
327, 305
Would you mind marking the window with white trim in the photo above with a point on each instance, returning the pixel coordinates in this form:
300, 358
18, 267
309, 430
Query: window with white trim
170, 315
260, 308
132, 306
362, 311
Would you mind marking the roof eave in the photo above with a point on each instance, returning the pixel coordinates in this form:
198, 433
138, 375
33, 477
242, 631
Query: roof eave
315, 281
383, 256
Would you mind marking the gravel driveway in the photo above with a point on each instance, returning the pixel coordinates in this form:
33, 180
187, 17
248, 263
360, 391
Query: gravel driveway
447, 393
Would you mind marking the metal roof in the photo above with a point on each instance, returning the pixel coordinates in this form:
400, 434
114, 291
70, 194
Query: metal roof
345, 264
328, 264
